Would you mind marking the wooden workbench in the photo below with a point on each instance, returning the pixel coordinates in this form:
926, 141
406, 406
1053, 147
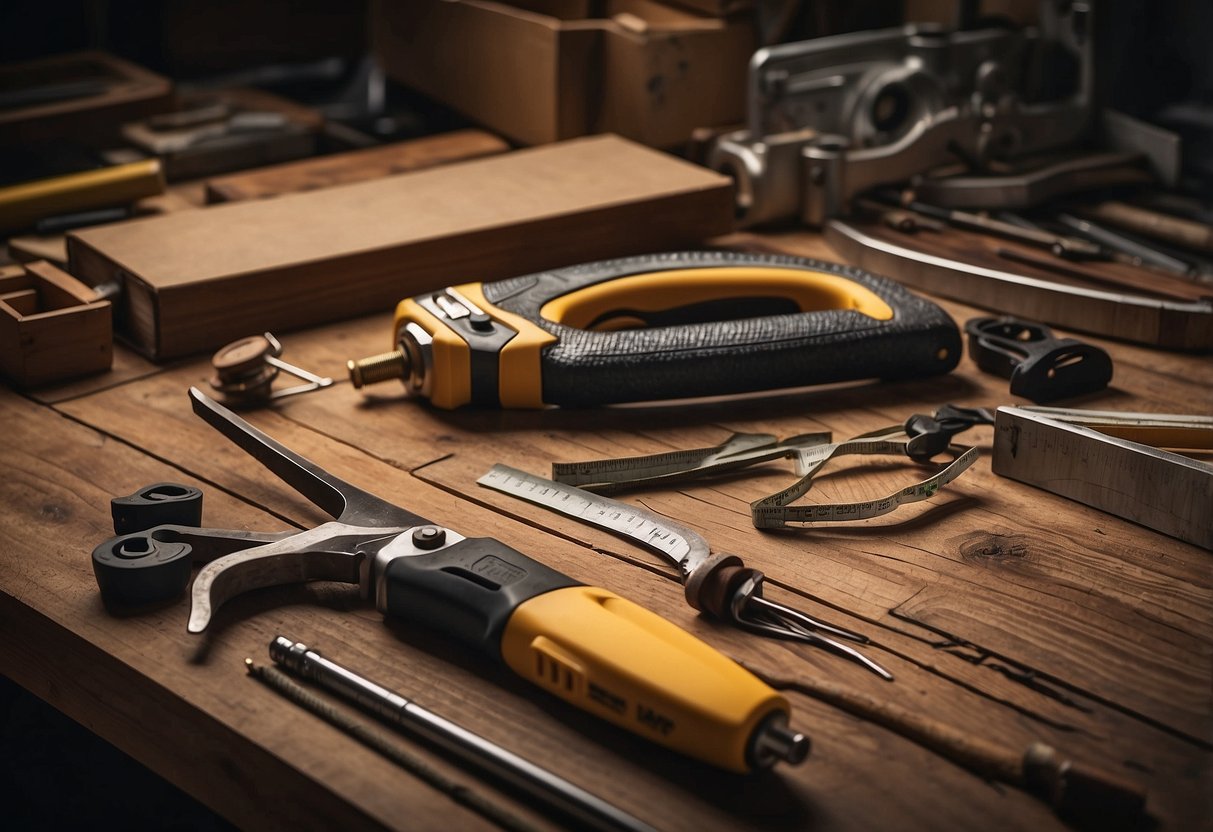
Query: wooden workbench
1007, 613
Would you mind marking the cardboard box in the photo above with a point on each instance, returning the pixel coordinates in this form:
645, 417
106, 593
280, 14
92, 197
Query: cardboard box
644, 70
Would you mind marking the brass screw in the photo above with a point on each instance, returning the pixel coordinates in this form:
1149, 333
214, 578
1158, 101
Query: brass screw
377, 368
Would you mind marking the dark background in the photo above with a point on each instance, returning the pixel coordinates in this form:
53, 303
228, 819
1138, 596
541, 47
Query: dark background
1154, 61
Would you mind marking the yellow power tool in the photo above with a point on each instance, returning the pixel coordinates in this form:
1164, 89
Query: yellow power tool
586, 645
664, 326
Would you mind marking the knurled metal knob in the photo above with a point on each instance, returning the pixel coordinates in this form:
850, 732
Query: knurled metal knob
383, 367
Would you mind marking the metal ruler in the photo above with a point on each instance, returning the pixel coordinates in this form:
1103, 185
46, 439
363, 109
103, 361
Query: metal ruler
676, 542
1101, 459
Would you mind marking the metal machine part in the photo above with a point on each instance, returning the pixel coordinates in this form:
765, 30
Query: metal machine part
245, 371
832, 117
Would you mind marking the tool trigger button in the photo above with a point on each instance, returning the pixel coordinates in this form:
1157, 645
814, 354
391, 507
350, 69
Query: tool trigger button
480, 322
161, 504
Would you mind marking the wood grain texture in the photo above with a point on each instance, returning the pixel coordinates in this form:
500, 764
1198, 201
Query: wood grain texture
353, 166
195, 280
1008, 613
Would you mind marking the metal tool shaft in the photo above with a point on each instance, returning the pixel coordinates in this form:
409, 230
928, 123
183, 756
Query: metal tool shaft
396, 710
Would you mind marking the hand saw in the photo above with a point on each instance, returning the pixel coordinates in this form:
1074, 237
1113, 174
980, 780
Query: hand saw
663, 326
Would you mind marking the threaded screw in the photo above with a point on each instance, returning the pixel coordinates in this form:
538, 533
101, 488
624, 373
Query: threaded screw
377, 368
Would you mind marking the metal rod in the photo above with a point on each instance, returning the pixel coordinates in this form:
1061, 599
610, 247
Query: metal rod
789, 628
1124, 244
398, 711
281, 682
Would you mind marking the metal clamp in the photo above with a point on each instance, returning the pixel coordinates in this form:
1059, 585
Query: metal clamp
831, 117
245, 371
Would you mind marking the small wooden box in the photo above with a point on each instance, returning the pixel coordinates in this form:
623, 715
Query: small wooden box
52, 326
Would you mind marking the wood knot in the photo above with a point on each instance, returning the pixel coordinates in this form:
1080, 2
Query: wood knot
55, 514
1000, 548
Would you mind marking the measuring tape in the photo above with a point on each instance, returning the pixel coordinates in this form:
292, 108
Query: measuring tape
774, 512
678, 543
1101, 459
809, 452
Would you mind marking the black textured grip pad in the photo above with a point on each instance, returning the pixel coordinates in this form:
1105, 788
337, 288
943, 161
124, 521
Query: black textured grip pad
588, 367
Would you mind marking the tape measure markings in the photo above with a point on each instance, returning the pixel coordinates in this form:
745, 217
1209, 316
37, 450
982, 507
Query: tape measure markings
679, 544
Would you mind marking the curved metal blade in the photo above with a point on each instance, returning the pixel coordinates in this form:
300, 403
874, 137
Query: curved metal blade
330, 552
342, 501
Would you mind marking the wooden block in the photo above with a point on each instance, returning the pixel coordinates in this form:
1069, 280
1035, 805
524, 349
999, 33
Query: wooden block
52, 326
198, 279
52, 247
81, 96
354, 166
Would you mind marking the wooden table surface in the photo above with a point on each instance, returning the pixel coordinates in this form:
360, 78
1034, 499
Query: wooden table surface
1009, 614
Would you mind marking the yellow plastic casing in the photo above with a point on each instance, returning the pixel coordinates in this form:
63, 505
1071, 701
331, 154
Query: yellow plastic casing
658, 291
617, 660
520, 373
520, 378
450, 375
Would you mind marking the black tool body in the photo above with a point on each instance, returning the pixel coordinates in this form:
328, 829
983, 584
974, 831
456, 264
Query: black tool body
765, 322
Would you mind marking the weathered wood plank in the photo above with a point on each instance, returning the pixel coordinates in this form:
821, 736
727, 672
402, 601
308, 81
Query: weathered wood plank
1011, 675
140, 681
619, 767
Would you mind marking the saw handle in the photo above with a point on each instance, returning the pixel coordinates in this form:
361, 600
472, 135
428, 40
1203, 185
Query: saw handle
590, 647
694, 324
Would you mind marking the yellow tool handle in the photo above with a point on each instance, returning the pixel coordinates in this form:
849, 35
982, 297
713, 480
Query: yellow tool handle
606, 655
21, 205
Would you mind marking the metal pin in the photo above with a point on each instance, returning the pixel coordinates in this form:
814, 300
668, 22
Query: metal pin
763, 616
587, 809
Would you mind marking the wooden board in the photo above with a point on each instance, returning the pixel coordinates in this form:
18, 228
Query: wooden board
196, 280
1008, 613
353, 166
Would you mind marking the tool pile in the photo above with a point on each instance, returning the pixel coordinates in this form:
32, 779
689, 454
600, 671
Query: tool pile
556, 286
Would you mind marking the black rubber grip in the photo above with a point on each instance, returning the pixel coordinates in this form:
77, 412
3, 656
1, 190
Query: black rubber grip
468, 590
761, 352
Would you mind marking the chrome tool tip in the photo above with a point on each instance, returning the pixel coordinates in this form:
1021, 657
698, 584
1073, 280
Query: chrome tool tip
775, 742
292, 655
